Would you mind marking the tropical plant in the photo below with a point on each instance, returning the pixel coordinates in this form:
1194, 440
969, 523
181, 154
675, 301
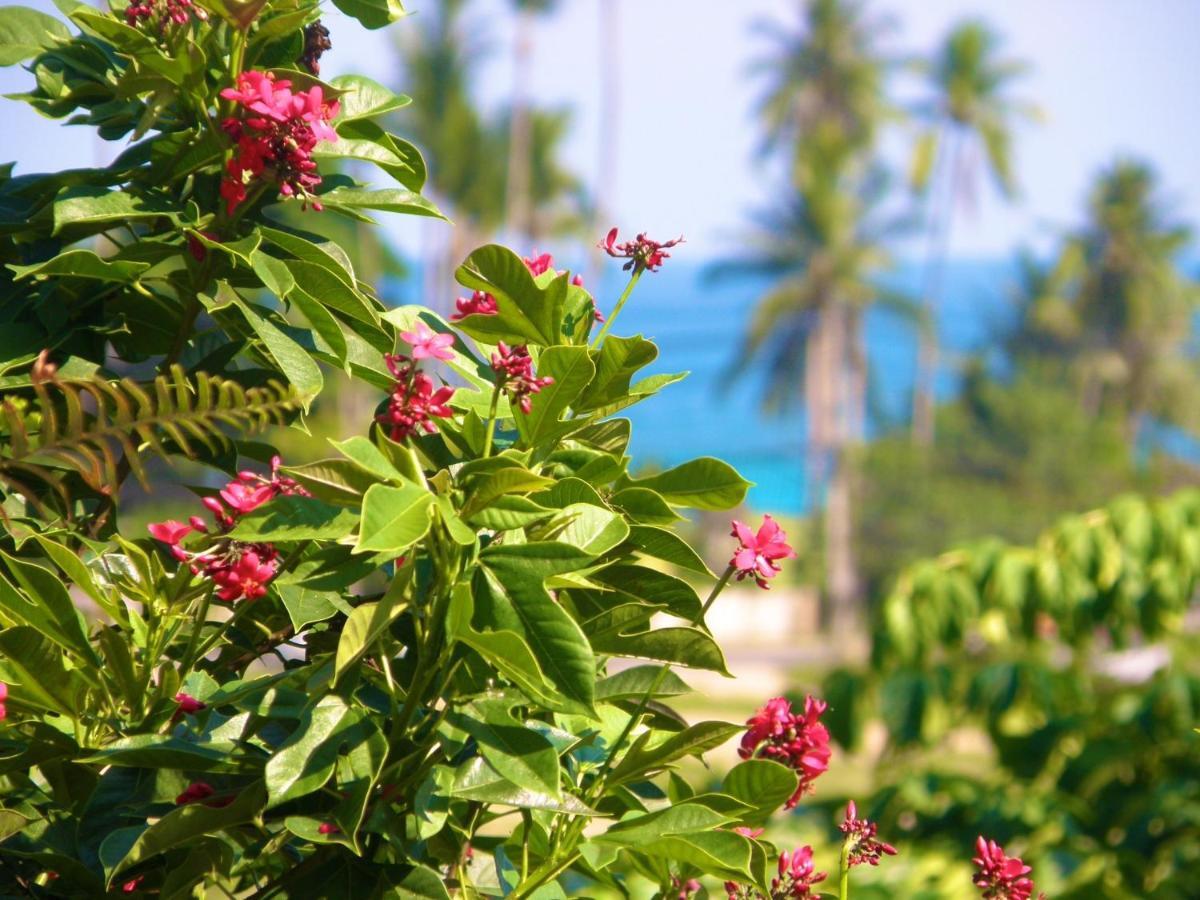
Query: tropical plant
968, 125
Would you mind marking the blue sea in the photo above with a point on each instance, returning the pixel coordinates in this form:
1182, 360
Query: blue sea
699, 324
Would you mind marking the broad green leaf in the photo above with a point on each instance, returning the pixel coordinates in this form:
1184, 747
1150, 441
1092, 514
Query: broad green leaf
363, 98
569, 491
185, 824
306, 760
329, 569
761, 783
634, 682
645, 506
356, 776
477, 780
526, 313
293, 360
571, 368
510, 511
517, 753
692, 741
305, 605
24, 33
652, 588
88, 205
363, 628
395, 200
313, 249
504, 649
524, 607
682, 818
40, 599
659, 543
372, 13
689, 647
616, 362
337, 481
324, 325
394, 518
369, 457
82, 264
704, 483
593, 529
160, 751
638, 392
295, 518
330, 289
34, 667
723, 855
486, 488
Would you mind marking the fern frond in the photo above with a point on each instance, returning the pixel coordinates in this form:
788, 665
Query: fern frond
88, 426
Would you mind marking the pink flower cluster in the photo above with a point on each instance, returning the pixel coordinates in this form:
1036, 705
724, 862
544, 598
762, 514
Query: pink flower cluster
687, 889
275, 136
158, 15
796, 877
237, 568
196, 792
414, 402
3, 701
800, 742
514, 367
865, 847
757, 553
1001, 877
642, 252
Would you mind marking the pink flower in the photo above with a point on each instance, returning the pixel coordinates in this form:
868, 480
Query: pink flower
248, 577
800, 742
795, 879
428, 345
480, 304
132, 884
539, 264
1001, 877
865, 847
328, 828
195, 792
414, 403
275, 135
3, 701
514, 366
189, 704
169, 532
642, 252
748, 832
756, 553
687, 889
147, 15
244, 498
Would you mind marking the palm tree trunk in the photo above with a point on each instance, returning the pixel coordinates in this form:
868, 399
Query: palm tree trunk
517, 198
929, 347
606, 162
842, 582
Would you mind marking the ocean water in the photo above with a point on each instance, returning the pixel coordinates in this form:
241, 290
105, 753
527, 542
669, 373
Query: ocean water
698, 324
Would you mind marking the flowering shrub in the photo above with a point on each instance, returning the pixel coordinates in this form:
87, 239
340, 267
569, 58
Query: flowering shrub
386, 673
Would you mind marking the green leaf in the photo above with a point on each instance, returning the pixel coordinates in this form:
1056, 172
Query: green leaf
36, 665
634, 682
486, 488
332, 291
295, 518
372, 13
83, 264
363, 98
313, 249
305, 605
524, 607
333, 480
293, 360
592, 529
720, 854
362, 629
43, 603
659, 543
273, 273
525, 312
306, 760
88, 205
510, 511
158, 751
762, 783
704, 483
369, 457
652, 588
517, 753
645, 506
393, 518
571, 368
184, 824
684, 646
356, 776
477, 780
396, 200
692, 741
24, 33
618, 359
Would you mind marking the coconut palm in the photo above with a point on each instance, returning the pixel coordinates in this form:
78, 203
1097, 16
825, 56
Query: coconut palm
1116, 308
969, 127
519, 187
821, 113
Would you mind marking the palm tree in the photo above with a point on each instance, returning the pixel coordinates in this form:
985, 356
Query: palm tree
821, 112
1115, 310
518, 189
971, 117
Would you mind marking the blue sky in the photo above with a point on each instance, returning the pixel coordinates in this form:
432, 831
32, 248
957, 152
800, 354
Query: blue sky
1111, 76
